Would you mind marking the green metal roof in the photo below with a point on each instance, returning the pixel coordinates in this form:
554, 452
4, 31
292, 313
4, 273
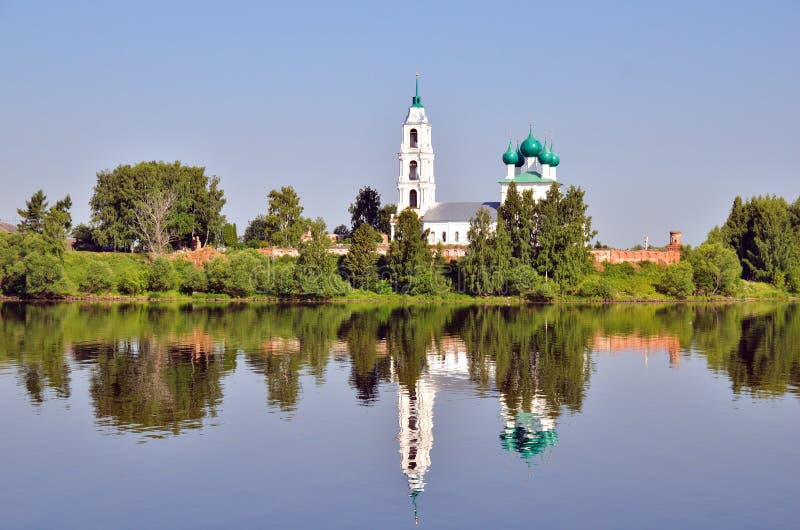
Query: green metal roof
527, 177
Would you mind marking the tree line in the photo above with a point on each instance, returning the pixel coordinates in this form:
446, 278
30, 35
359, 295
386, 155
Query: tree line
539, 249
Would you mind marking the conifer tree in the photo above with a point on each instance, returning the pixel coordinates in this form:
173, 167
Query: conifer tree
479, 263
33, 214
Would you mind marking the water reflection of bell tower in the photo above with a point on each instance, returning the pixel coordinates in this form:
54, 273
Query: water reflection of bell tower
415, 435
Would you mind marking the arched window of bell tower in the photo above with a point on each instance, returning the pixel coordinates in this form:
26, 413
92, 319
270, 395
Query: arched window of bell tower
412, 170
412, 199
412, 138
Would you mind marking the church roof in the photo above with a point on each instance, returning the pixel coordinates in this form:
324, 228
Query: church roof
458, 211
527, 177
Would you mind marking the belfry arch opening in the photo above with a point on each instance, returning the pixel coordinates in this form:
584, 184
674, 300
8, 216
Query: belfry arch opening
412, 170
412, 199
412, 138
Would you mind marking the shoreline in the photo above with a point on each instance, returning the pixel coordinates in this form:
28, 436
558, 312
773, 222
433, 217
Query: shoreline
402, 299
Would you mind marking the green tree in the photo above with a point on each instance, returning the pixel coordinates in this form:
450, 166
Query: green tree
764, 234
480, 265
195, 208
32, 217
385, 217
284, 223
365, 209
229, 236
677, 280
256, 230
716, 269
361, 261
315, 273
511, 212
563, 233
409, 254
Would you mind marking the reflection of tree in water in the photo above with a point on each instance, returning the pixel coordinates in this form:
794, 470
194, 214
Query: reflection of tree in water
32, 339
365, 336
757, 345
293, 339
150, 384
535, 353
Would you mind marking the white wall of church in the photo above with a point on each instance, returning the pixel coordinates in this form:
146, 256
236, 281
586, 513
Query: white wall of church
447, 233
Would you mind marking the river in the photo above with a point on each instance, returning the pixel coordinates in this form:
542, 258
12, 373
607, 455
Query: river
363, 416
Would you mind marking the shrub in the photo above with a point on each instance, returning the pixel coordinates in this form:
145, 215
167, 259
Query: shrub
545, 291
716, 269
161, 276
217, 274
195, 281
522, 279
245, 269
596, 287
619, 270
677, 280
44, 276
98, 279
132, 282
793, 280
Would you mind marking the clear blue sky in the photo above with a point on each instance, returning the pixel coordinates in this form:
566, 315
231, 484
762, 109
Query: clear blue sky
662, 112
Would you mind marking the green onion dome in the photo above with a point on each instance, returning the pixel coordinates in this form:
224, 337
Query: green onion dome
554, 158
545, 156
520, 158
510, 156
530, 146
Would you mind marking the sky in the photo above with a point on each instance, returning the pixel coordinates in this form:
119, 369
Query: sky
662, 112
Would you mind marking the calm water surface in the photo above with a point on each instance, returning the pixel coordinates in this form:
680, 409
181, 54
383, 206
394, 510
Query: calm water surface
137, 416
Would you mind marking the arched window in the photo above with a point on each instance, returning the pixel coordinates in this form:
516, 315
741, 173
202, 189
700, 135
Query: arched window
444, 237
412, 138
455, 237
412, 170
412, 199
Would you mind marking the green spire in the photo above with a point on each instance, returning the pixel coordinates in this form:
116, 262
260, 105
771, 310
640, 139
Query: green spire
416, 101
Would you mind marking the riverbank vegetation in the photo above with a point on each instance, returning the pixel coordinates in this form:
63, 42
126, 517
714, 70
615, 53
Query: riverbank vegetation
533, 250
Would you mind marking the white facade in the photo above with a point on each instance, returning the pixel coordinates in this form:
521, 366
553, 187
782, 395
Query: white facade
416, 184
447, 232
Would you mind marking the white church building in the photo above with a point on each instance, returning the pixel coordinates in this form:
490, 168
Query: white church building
530, 165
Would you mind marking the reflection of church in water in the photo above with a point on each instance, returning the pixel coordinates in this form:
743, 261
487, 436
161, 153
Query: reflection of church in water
528, 432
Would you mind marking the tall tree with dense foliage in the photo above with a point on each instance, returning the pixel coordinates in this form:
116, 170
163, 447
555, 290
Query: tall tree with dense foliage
365, 209
563, 233
764, 233
482, 267
229, 236
409, 255
361, 261
516, 220
284, 223
196, 209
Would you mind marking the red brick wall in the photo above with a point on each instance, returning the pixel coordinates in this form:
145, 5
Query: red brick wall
612, 255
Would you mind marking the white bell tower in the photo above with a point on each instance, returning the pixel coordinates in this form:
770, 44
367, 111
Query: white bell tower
416, 186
